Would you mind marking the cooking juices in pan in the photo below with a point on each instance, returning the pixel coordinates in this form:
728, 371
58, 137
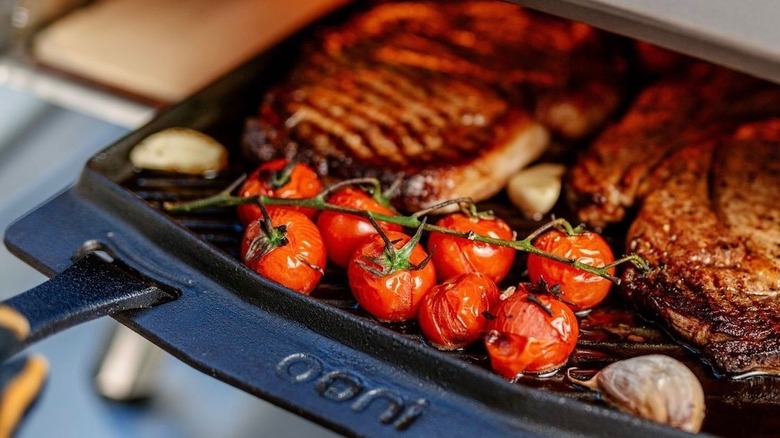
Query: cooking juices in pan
609, 333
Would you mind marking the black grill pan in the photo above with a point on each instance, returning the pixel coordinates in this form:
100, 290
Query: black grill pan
318, 356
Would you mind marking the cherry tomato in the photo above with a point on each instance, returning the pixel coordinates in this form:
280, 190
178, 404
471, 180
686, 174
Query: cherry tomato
302, 182
456, 255
293, 255
581, 289
530, 333
343, 232
383, 285
452, 314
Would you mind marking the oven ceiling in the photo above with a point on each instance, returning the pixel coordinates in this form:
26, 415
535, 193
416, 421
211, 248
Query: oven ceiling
741, 35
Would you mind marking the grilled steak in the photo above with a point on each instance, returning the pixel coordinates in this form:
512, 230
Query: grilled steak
446, 97
622, 165
711, 231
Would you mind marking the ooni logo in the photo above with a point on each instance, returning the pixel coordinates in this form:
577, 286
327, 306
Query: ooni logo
345, 386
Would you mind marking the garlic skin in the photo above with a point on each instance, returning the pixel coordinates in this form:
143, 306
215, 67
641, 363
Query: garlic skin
180, 150
535, 190
655, 387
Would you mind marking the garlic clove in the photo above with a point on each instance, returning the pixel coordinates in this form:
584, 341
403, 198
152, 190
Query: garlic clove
535, 190
180, 150
655, 387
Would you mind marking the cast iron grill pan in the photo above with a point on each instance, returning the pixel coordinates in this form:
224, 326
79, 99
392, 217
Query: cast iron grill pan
321, 356
611, 332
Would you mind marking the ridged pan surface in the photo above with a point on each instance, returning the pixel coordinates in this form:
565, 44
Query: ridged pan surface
609, 333
124, 203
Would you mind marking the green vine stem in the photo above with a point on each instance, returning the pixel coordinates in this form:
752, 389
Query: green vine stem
319, 202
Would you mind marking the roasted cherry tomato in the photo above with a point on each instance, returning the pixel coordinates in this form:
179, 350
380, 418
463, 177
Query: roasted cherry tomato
292, 254
455, 255
343, 232
279, 179
390, 284
452, 314
580, 289
530, 333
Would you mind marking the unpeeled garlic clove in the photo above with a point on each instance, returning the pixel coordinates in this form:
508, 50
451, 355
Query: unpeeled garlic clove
180, 150
655, 387
535, 190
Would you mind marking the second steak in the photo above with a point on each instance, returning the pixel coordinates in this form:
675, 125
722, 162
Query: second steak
441, 96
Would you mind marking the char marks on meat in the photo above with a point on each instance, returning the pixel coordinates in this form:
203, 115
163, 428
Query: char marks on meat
627, 160
450, 98
698, 154
712, 233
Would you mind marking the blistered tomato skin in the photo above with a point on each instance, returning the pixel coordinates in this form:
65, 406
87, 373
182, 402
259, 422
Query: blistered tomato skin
532, 337
582, 290
303, 182
297, 264
394, 297
456, 255
451, 315
343, 232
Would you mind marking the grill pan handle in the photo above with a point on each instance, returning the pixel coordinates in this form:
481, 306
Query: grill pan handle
93, 286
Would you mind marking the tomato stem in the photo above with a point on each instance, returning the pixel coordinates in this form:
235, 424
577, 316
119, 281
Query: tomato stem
388, 194
634, 259
396, 259
234, 185
319, 202
533, 299
280, 178
405, 253
389, 248
469, 206
555, 223
373, 182
268, 226
270, 239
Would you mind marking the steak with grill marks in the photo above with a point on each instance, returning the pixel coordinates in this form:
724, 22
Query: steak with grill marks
711, 232
449, 98
625, 162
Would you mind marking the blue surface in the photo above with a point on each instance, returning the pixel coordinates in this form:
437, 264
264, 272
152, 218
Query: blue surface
42, 151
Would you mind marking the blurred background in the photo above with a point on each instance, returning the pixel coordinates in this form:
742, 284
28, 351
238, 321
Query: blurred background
76, 76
